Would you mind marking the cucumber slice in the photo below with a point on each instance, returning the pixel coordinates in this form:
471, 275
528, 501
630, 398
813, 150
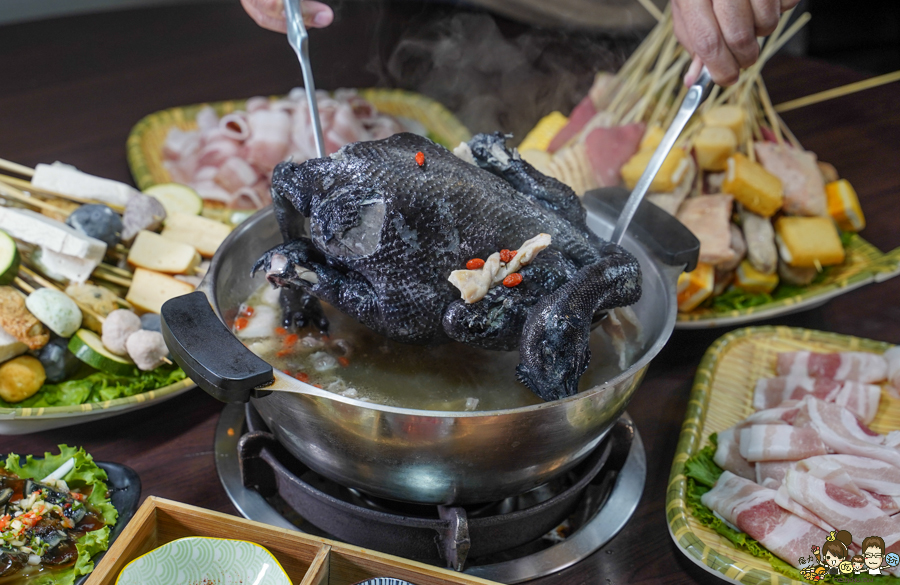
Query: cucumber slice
87, 346
176, 198
9, 259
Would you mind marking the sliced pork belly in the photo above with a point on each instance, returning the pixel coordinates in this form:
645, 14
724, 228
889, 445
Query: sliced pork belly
843, 433
892, 357
270, 132
608, 148
235, 173
839, 506
869, 474
785, 414
783, 499
728, 454
770, 474
850, 365
752, 509
709, 217
861, 399
804, 189
780, 443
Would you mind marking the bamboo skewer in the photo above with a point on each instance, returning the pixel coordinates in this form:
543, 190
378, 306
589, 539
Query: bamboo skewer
21, 197
114, 279
652, 9
770, 112
837, 92
16, 168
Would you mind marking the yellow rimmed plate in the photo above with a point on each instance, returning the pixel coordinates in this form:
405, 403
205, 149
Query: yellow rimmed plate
20, 421
722, 396
864, 264
145, 142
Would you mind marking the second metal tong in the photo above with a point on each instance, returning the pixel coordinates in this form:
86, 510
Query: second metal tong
299, 40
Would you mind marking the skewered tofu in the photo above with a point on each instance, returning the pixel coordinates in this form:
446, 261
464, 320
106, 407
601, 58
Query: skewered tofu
695, 287
808, 241
713, 146
728, 116
844, 207
752, 280
202, 233
753, 186
149, 290
669, 175
155, 252
64, 178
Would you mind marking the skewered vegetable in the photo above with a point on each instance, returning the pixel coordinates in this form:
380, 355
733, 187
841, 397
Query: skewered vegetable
20, 378
176, 198
55, 310
87, 346
97, 221
59, 363
9, 259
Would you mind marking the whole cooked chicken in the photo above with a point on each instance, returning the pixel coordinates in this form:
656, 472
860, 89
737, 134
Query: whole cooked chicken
392, 220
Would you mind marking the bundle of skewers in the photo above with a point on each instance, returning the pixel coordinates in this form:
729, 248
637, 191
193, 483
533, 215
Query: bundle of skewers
767, 213
85, 266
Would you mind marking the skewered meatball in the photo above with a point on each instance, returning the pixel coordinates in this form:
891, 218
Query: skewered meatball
146, 348
118, 326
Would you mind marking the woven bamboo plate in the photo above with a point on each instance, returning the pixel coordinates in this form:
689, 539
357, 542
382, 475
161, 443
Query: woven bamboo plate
144, 145
721, 397
864, 264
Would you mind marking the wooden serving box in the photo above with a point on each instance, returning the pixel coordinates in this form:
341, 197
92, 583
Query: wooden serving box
306, 559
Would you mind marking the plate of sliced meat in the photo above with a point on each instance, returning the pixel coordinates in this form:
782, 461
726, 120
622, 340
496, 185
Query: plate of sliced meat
788, 466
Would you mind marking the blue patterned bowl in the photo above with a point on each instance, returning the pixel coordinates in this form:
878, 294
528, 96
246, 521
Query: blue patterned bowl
198, 560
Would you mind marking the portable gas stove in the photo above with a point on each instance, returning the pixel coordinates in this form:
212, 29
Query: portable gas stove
516, 539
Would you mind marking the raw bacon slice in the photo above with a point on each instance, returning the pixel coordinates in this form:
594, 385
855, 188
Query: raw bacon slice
785, 414
783, 499
861, 399
269, 138
780, 443
770, 474
610, 148
850, 365
892, 356
869, 474
839, 506
753, 510
843, 433
728, 454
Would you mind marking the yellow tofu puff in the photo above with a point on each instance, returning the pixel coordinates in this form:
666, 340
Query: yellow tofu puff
753, 186
808, 241
713, 147
695, 287
752, 280
844, 207
728, 116
652, 137
669, 176
543, 132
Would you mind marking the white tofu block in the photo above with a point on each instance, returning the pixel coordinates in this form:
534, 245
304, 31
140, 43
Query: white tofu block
50, 234
10, 347
67, 179
155, 252
149, 290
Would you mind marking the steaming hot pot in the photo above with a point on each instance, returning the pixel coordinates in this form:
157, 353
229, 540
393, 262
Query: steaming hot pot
413, 455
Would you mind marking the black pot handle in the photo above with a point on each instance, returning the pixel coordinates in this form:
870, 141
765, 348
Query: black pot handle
208, 352
655, 229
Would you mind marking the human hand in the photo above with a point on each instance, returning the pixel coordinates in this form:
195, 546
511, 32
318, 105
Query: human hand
270, 13
721, 34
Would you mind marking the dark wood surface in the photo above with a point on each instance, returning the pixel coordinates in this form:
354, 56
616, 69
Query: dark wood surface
73, 88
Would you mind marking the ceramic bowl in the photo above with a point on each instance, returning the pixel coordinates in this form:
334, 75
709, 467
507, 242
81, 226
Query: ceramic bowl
198, 560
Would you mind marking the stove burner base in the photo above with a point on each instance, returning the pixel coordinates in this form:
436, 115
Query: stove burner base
597, 513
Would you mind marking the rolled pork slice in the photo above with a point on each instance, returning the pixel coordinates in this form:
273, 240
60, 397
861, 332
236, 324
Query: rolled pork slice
753, 510
861, 399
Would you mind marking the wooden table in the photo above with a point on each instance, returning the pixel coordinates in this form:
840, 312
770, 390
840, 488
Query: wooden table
72, 89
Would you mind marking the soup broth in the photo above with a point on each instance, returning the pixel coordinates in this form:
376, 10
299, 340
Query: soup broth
354, 361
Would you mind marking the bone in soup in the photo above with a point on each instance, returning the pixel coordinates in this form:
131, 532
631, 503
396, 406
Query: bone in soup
356, 362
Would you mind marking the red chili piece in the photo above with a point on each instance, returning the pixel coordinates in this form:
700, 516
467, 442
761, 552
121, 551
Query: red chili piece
474, 264
420, 158
512, 280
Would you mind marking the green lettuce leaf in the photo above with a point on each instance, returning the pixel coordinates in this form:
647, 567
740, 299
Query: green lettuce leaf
86, 476
99, 387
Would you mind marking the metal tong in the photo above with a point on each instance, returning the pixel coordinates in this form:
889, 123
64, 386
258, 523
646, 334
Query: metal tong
299, 40
696, 95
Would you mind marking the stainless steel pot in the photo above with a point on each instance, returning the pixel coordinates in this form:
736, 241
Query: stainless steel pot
417, 455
